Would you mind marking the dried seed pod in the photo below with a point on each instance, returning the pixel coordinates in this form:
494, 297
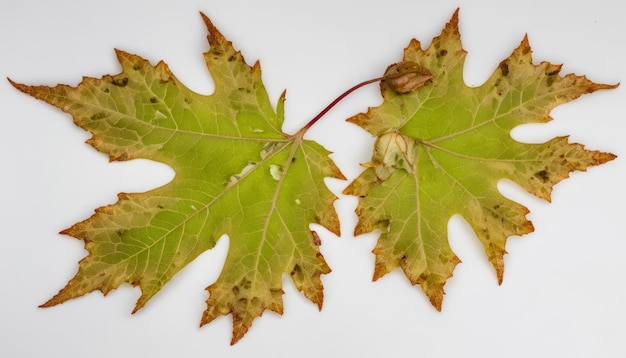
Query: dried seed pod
407, 76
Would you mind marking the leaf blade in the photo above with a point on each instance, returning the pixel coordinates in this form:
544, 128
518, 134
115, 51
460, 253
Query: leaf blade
459, 146
237, 173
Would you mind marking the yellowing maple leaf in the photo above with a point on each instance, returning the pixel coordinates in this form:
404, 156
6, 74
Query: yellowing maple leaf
237, 173
442, 148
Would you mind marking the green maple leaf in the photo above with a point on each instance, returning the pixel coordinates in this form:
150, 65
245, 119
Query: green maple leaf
442, 148
237, 173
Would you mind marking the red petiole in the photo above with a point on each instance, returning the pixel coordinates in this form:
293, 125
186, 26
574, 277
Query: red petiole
333, 103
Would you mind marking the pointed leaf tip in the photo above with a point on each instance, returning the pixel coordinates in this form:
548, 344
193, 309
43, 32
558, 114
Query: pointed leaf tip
453, 23
462, 148
214, 36
225, 148
20, 87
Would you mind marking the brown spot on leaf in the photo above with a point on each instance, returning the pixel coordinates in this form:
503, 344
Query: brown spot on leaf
120, 82
504, 68
383, 224
316, 238
97, 116
553, 72
296, 270
245, 283
542, 175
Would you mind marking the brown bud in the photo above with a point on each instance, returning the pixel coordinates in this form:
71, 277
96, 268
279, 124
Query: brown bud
406, 76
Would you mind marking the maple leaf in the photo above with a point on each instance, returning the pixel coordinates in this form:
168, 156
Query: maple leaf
442, 148
237, 173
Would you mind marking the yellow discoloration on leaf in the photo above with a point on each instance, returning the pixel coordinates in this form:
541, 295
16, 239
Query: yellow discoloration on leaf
237, 173
442, 148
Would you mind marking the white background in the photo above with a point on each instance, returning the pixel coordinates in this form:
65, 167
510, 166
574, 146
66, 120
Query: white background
563, 293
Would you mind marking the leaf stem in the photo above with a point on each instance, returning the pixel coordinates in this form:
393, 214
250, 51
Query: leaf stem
333, 103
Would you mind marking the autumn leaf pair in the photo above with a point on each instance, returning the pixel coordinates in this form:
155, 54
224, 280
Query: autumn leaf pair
440, 149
